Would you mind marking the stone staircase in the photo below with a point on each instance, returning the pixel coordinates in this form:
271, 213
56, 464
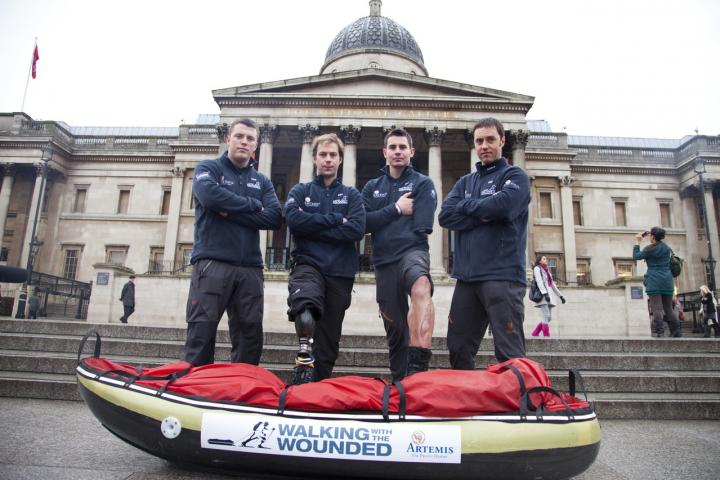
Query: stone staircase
625, 378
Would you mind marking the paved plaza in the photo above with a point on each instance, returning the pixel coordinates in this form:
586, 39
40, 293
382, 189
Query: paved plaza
63, 441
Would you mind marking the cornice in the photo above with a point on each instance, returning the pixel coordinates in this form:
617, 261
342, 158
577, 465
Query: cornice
194, 149
377, 102
615, 169
125, 158
114, 217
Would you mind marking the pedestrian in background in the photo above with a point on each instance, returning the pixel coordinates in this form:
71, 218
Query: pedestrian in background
550, 291
709, 306
659, 283
127, 297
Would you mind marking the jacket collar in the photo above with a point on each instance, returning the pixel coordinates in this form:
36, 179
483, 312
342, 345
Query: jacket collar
494, 166
319, 180
226, 160
405, 173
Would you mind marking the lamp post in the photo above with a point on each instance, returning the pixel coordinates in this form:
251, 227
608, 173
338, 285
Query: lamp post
47, 153
699, 168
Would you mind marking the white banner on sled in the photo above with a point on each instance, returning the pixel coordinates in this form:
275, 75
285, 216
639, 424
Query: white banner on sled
349, 440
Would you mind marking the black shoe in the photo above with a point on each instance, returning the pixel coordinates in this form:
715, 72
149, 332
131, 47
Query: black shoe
418, 360
122, 320
304, 370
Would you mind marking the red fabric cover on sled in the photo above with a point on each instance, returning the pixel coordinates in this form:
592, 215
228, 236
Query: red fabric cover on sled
461, 393
341, 394
232, 382
438, 393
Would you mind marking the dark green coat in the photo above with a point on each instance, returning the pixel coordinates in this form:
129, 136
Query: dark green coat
658, 279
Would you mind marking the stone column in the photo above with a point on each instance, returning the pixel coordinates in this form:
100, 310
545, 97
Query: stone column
7, 185
222, 131
36, 200
520, 140
568, 225
434, 137
350, 136
470, 139
268, 134
173, 218
307, 168
713, 227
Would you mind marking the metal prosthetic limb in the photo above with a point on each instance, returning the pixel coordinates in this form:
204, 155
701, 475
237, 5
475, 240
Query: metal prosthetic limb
304, 360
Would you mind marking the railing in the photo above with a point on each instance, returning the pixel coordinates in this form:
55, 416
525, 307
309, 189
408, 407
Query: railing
691, 303
168, 267
61, 297
277, 258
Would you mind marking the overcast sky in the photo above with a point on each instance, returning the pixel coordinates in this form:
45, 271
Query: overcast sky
630, 68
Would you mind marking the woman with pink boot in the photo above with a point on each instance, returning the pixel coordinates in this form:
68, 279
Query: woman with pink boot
550, 292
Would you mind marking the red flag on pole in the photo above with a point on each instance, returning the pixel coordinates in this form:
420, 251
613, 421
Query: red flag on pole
36, 57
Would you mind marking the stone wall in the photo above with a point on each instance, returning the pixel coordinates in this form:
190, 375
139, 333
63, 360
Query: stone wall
589, 312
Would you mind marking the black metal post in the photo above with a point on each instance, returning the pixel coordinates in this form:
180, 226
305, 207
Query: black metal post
710, 264
46, 156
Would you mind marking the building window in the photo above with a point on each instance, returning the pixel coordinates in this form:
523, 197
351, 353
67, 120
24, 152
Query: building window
70, 263
4, 254
577, 211
184, 255
165, 203
157, 263
665, 218
624, 267
553, 260
46, 198
79, 203
116, 254
545, 204
583, 272
620, 213
123, 201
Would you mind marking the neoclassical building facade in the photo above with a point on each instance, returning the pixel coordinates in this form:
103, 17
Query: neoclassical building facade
124, 195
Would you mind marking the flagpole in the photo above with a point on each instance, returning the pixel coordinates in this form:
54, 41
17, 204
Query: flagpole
27, 82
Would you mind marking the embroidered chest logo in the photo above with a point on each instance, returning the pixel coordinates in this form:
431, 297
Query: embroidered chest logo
379, 194
406, 188
254, 183
310, 203
224, 181
343, 200
489, 189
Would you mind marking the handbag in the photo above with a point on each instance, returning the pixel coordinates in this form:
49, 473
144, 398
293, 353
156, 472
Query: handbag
534, 294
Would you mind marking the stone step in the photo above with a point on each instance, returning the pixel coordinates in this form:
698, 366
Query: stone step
688, 406
596, 381
173, 334
368, 357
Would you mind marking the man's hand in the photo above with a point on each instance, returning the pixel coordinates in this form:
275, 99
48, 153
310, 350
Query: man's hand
405, 204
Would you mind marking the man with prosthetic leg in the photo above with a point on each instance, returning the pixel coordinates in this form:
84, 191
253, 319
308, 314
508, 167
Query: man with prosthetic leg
326, 218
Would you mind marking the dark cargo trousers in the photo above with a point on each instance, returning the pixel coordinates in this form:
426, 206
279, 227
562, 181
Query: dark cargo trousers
216, 287
475, 305
329, 297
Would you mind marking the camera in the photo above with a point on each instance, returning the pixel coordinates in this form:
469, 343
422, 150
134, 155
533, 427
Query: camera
645, 233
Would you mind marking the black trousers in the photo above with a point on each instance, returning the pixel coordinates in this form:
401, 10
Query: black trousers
329, 298
216, 287
393, 285
127, 311
475, 305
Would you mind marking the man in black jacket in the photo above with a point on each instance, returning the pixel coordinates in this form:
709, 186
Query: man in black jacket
489, 211
127, 297
326, 218
233, 202
400, 207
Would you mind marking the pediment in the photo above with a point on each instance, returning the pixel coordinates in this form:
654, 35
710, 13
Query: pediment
372, 83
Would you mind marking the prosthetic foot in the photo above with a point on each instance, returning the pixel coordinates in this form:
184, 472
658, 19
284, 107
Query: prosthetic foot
304, 360
418, 360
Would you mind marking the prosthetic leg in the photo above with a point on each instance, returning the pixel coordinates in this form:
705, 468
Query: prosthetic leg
304, 360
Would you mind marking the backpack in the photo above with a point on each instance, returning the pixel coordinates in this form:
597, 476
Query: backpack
676, 264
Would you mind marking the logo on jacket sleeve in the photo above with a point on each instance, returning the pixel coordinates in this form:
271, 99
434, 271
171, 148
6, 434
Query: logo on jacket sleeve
202, 175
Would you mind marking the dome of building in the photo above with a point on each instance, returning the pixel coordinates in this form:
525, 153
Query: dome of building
374, 42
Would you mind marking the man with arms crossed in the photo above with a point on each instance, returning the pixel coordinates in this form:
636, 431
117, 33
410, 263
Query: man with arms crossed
326, 218
233, 202
400, 207
489, 211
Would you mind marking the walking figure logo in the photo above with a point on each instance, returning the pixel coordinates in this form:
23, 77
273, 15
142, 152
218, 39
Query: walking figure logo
261, 433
